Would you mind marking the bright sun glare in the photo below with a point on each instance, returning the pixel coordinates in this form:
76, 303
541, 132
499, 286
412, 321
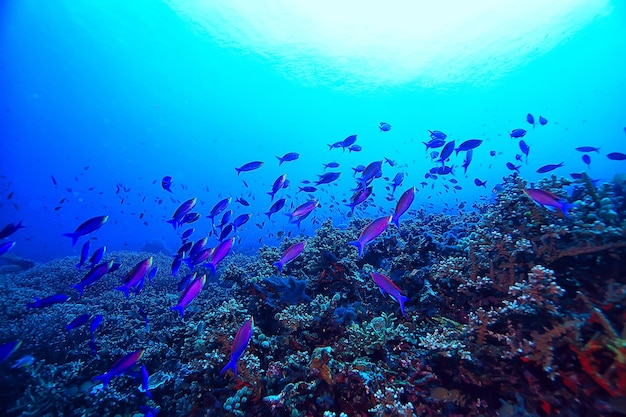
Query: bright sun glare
418, 41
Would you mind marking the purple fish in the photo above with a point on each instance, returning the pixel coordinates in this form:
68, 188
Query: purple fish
302, 212
250, 166
387, 286
291, 156
181, 211
5, 247
78, 321
405, 201
289, 255
517, 133
371, 232
242, 338
278, 204
188, 294
120, 366
7, 349
198, 246
92, 276
546, 198
84, 253
9, 229
549, 167
277, 186
220, 253
48, 301
87, 227
135, 277
359, 196
166, 183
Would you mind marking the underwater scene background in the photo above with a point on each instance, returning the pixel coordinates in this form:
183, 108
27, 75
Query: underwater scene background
328, 209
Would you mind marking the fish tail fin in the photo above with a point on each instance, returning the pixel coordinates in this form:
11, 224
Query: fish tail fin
238, 171
180, 309
280, 160
72, 236
173, 222
124, 289
330, 147
401, 300
79, 288
232, 364
104, 378
279, 265
358, 245
565, 207
269, 215
271, 195
395, 220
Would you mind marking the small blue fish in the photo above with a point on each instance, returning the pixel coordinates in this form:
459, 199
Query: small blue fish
291, 156
518, 133
5, 247
86, 227
250, 166
242, 201
349, 141
616, 156
530, 119
277, 185
23, 362
436, 134
331, 165
166, 183
48, 301
9, 229
78, 321
587, 149
278, 204
468, 145
355, 148
327, 178
513, 167
524, 148
480, 183
384, 127
145, 377
446, 152
84, 253
95, 323
187, 234
587, 160
549, 167
97, 255
542, 120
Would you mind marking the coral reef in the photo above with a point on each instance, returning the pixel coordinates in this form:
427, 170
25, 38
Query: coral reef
513, 310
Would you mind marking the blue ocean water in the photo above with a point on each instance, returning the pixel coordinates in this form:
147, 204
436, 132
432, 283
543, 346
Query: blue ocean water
126, 93
99, 101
